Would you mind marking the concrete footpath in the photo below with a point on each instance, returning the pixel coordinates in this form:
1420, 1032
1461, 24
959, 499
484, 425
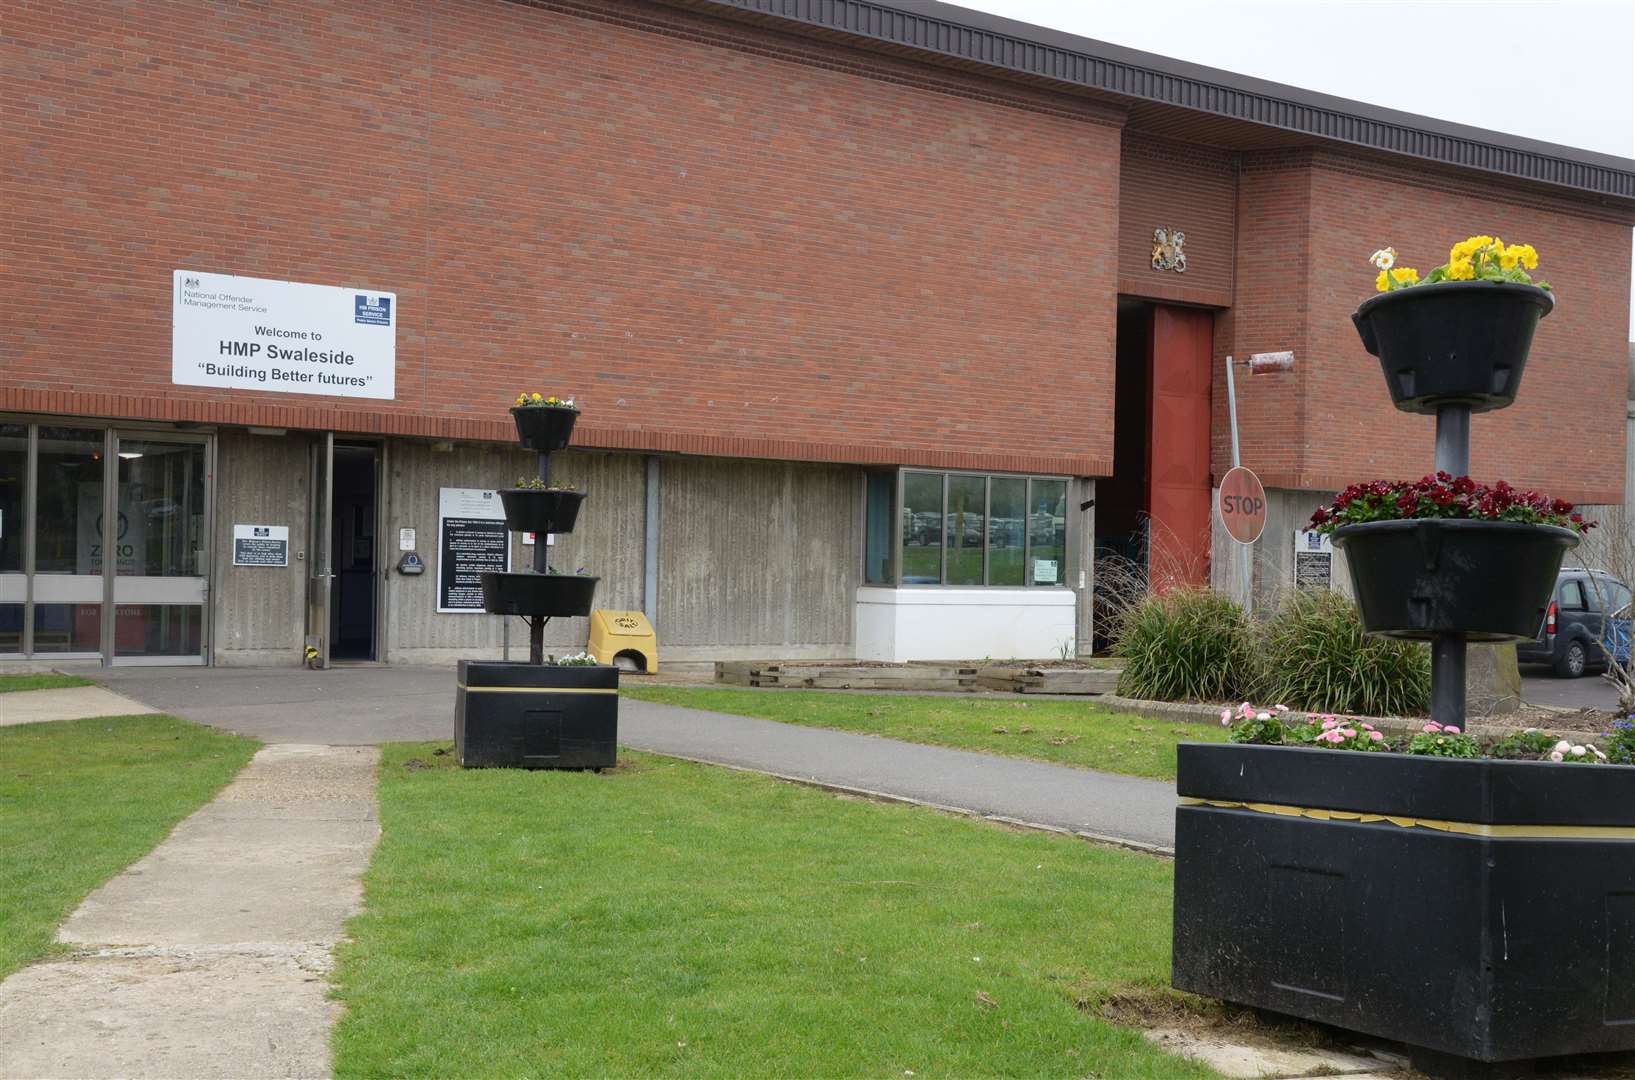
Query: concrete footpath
366, 705
65, 703
208, 957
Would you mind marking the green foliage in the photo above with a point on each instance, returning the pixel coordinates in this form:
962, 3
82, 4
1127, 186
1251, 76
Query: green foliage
1188, 645
1442, 744
1319, 660
671, 919
83, 799
45, 680
1530, 745
1258, 728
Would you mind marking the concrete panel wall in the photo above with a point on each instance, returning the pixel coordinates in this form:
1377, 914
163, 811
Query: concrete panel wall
607, 541
1272, 556
757, 559
259, 612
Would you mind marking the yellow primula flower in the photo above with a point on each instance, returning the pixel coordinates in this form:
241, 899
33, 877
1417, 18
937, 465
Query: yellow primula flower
1402, 275
1465, 249
1519, 253
1461, 269
522, 399
537, 398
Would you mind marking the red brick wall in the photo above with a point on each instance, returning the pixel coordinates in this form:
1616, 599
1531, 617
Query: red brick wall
1176, 186
1332, 422
720, 239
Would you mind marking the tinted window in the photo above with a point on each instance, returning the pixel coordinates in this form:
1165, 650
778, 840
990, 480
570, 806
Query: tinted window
1572, 594
922, 528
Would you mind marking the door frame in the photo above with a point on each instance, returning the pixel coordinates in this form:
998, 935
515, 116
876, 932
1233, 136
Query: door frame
320, 592
110, 562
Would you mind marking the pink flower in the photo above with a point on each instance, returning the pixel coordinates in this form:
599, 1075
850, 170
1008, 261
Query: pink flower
1451, 729
1431, 728
1350, 733
1247, 711
1329, 723
1555, 755
1334, 737
1368, 727
1281, 708
1226, 718
1375, 736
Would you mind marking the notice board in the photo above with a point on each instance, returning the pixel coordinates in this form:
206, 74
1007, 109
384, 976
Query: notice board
472, 539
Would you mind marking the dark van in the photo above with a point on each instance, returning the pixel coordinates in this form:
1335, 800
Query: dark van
1589, 608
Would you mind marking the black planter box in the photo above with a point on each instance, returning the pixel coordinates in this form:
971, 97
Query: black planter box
1480, 580
1458, 342
537, 510
524, 593
532, 716
1512, 939
546, 428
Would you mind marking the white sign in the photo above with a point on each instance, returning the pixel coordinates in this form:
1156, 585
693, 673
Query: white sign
261, 545
1044, 571
472, 539
405, 539
528, 538
245, 333
1313, 560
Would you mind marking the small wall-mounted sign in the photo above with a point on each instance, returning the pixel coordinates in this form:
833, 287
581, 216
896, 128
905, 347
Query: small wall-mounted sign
261, 545
1313, 560
1169, 250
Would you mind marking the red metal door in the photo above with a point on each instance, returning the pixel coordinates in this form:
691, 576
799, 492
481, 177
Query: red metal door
1178, 474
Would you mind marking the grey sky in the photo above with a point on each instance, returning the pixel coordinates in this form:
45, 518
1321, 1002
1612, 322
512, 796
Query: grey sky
1558, 70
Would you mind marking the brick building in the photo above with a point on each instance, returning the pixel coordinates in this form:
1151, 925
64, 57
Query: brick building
859, 299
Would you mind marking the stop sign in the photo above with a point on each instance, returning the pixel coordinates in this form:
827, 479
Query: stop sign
1242, 504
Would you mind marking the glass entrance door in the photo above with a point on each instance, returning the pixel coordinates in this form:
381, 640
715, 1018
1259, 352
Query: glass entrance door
158, 548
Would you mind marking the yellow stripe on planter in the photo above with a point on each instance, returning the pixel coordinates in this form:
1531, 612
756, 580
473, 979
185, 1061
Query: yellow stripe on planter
1466, 828
534, 690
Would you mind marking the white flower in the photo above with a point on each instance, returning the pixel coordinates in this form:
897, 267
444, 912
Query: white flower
1263, 716
1562, 747
1281, 708
1597, 753
1578, 751
1555, 755
1384, 258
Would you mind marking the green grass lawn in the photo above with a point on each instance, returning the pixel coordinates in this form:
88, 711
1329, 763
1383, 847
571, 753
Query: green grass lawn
45, 680
82, 799
1065, 732
666, 918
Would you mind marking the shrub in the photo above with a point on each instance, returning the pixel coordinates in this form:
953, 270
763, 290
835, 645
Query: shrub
1187, 645
1318, 660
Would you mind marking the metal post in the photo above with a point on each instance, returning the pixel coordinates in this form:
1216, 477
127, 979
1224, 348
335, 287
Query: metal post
1448, 650
1243, 555
542, 554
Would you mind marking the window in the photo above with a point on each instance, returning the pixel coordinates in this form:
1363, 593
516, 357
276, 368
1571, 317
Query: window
877, 543
1572, 595
964, 529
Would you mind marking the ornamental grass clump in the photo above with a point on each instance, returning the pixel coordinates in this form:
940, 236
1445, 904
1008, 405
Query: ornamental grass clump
1187, 645
1319, 660
1478, 258
1444, 495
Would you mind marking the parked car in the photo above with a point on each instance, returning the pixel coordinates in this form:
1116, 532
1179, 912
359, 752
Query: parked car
1588, 619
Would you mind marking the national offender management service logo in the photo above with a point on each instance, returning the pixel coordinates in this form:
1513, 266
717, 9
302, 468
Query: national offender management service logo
372, 310
191, 282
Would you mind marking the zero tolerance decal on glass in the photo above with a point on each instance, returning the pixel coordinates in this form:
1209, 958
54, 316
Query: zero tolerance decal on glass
242, 333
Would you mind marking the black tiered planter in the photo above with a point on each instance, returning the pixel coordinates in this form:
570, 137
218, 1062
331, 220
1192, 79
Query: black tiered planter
1479, 909
538, 510
536, 716
1479, 580
545, 428
529, 594
1453, 343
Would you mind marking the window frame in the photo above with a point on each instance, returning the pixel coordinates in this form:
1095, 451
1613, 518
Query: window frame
895, 573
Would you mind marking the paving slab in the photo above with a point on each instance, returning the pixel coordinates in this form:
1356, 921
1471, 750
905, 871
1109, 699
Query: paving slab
1259, 1062
207, 957
66, 703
